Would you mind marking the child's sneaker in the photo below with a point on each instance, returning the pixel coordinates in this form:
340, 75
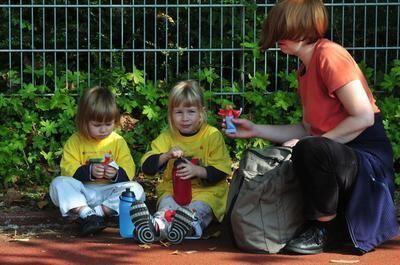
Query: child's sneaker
144, 228
92, 224
196, 231
181, 225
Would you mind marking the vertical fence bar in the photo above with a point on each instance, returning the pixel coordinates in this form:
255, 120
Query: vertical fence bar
221, 37
122, 33
265, 54
44, 42
77, 47
353, 43
88, 45
21, 64
155, 41
199, 41
133, 32
200, 34
233, 45
398, 30
66, 41
178, 38
144, 41
55, 45
387, 37
375, 39
32, 45
255, 26
210, 35
100, 11
331, 18
365, 31
342, 29
188, 41
9, 44
111, 34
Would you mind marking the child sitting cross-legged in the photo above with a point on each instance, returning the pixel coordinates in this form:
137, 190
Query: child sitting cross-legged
188, 135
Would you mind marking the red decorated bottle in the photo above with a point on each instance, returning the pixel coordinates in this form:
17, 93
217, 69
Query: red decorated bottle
182, 188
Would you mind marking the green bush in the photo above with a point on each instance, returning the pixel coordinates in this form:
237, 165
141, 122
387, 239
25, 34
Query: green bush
36, 121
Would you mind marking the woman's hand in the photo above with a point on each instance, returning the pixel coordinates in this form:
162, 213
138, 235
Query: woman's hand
244, 129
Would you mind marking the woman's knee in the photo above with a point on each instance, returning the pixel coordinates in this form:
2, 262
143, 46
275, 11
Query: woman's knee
309, 149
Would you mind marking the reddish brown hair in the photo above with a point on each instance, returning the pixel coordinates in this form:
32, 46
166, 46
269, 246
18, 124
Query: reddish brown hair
297, 20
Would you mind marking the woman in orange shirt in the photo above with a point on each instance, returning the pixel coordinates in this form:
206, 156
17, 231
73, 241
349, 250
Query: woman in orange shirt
341, 153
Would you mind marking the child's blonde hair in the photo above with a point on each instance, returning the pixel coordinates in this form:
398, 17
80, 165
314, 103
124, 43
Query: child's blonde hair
96, 104
297, 20
186, 94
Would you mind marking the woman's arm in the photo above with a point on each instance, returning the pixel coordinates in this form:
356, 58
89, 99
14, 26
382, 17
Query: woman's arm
361, 115
274, 133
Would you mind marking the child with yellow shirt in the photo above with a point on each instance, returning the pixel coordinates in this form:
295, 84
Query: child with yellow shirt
189, 136
96, 166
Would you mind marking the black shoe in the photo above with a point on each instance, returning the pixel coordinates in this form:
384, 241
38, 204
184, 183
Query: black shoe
92, 224
312, 241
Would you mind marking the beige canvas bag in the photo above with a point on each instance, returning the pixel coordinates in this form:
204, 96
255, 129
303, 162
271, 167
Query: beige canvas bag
264, 201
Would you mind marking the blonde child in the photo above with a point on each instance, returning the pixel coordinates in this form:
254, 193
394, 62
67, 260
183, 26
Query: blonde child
96, 166
189, 135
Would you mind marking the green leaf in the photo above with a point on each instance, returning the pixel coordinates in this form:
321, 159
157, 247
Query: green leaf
48, 127
151, 112
47, 155
137, 76
253, 46
208, 74
259, 81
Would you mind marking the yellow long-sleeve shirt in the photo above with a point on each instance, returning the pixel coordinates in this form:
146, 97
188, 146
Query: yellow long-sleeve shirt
78, 150
209, 147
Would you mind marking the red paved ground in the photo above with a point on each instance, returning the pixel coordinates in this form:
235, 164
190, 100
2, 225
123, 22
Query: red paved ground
33, 238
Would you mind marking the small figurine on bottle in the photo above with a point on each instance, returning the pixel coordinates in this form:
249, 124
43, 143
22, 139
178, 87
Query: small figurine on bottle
229, 113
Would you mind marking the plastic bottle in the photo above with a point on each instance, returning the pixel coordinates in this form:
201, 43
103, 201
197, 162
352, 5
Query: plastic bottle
182, 188
126, 226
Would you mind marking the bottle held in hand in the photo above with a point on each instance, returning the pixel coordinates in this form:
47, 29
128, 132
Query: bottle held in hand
182, 188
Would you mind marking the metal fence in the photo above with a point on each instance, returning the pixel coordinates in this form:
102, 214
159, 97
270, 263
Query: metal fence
42, 40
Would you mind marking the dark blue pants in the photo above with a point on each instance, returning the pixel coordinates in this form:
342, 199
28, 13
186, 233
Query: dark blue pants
327, 171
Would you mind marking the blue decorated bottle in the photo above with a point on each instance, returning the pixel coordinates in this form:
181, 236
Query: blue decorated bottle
126, 226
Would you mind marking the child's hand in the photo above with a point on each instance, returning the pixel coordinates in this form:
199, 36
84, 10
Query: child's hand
175, 152
187, 170
98, 170
109, 172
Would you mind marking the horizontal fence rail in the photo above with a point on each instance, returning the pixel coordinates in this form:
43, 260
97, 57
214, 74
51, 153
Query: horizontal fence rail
173, 40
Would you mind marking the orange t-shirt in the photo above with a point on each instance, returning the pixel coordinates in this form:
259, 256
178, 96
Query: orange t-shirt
330, 68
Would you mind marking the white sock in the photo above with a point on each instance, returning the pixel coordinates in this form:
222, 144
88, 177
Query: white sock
161, 228
99, 210
85, 212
